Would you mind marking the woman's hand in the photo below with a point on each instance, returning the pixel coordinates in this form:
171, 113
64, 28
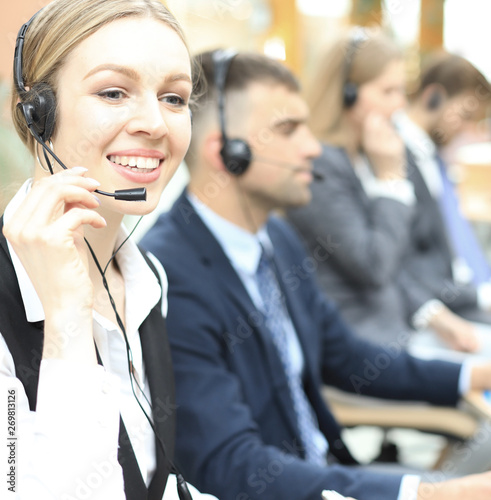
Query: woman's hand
384, 148
46, 233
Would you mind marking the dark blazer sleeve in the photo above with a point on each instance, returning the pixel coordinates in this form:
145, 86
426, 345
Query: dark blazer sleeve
356, 365
366, 236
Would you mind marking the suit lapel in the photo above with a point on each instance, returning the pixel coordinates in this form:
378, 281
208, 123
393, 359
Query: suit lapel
213, 256
355, 180
328, 424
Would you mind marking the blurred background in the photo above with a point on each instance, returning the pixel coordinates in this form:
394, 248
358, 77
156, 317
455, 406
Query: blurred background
293, 31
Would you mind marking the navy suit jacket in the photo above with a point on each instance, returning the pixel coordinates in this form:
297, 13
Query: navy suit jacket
236, 431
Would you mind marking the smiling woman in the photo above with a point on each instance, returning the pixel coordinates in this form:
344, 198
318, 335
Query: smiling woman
104, 89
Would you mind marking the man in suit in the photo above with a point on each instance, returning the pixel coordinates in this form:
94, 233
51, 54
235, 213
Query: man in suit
445, 268
252, 336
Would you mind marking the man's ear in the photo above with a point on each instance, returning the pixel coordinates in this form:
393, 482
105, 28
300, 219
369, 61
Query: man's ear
212, 144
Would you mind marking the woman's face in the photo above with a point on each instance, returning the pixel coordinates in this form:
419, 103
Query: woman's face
123, 112
383, 95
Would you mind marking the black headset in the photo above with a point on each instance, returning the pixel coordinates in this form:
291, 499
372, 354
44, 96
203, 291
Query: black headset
38, 105
236, 153
350, 89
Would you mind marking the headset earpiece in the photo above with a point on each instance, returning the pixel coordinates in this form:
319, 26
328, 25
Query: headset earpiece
38, 106
435, 100
236, 153
350, 89
350, 94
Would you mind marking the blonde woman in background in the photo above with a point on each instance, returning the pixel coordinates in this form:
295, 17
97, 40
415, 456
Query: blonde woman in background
358, 224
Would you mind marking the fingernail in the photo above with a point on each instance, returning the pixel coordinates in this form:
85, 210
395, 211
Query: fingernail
93, 182
96, 198
79, 170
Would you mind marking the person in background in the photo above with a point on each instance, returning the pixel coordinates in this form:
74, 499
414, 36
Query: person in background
253, 341
104, 86
363, 209
445, 266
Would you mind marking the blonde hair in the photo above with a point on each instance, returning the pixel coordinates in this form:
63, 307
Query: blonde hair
338, 65
60, 27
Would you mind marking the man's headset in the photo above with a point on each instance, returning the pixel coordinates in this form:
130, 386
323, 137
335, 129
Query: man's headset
236, 153
38, 106
350, 89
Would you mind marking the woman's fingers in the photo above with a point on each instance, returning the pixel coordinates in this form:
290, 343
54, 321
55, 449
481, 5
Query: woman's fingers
49, 199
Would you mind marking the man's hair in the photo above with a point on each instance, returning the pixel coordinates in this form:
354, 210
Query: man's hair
455, 75
245, 69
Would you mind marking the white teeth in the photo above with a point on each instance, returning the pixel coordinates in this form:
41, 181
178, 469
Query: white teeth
135, 162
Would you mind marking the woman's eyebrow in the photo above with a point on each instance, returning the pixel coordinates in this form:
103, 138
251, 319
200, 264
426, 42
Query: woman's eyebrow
129, 72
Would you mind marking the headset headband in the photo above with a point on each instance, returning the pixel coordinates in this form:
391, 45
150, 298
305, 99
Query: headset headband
19, 45
357, 37
221, 63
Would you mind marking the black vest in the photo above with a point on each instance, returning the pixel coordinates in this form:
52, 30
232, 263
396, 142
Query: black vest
25, 342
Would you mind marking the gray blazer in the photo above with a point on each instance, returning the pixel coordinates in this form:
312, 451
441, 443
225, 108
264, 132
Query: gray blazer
357, 244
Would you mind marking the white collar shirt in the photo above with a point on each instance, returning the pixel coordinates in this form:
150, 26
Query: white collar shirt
110, 384
424, 150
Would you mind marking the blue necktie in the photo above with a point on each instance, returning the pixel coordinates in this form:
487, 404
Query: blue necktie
461, 234
276, 316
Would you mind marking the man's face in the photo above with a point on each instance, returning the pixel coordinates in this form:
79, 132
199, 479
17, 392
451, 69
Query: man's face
454, 114
282, 146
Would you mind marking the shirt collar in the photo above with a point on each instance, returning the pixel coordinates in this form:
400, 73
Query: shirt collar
418, 141
242, 248
142, 288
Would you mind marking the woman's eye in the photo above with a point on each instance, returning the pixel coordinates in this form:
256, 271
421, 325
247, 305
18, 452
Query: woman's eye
111, 95
174, 100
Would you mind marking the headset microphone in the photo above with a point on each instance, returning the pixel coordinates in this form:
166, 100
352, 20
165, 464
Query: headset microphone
38, 106
318, 176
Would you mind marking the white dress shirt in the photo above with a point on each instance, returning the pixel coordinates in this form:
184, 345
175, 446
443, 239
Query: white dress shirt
67, 449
